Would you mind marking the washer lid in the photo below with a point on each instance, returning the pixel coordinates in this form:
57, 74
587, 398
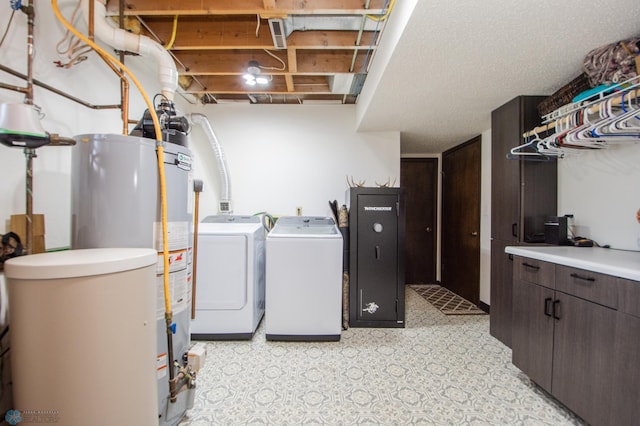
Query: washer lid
226, 228
231, 219
305, 226
306, 220
79, 263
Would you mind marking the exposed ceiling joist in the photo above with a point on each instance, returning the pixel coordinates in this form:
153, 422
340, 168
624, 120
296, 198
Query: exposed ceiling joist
214, 41
248, 7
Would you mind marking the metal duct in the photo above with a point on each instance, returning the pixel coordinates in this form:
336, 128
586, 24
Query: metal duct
105, 30
329, 23
225, 205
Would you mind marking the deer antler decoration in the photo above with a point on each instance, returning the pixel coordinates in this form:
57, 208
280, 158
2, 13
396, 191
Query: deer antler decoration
387, 184
353, 184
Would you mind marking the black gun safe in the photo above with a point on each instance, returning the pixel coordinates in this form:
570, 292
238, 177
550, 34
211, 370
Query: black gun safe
376, 272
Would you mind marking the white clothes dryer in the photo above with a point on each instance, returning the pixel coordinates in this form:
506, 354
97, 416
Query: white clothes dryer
230, 278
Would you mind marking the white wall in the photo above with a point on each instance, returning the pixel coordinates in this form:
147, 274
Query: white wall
91, 81
281, 157
600, 188
485, 219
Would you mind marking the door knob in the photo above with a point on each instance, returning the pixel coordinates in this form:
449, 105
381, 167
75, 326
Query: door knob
427, 229
474, 234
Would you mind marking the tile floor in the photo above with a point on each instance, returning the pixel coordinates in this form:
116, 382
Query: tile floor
439, 370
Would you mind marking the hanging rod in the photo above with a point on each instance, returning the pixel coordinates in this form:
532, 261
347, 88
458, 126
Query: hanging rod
616, 99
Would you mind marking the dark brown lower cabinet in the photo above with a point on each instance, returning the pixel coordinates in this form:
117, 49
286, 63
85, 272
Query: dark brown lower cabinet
626, 373
501, 288
583, 354
532, 339
571, 346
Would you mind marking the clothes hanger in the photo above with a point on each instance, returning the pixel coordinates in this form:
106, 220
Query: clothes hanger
629, 122
548, 147
608, 129
519, 153
519, 150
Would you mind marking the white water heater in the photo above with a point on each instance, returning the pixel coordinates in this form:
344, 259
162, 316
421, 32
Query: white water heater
115, 201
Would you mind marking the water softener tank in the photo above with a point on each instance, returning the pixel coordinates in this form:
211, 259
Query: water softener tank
115, 202
83, 337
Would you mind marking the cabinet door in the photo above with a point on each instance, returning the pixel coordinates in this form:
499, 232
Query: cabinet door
538, 182
523, 192
505, 173
626, 375
532, 331
583, 354
539, 197
501, 292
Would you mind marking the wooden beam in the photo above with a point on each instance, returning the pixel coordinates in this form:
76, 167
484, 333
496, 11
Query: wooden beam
292, 59
290, 86
330, 40
220, 62
279, 84
246, 7
328, 62
212, 33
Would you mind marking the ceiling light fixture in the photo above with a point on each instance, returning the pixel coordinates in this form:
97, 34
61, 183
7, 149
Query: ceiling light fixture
253, 76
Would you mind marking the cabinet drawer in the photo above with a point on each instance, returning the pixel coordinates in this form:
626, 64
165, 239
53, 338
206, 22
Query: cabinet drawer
592, 286
629, 297
535, 271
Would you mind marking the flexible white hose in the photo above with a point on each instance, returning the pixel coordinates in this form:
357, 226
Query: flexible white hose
106, 30
223, 169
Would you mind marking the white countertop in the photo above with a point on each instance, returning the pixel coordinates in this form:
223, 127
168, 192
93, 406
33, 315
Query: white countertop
619, 263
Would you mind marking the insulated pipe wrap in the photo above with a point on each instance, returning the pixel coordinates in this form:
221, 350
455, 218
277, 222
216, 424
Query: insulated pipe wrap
225, 190
120, 39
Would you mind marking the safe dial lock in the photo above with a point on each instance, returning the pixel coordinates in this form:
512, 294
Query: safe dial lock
377, 227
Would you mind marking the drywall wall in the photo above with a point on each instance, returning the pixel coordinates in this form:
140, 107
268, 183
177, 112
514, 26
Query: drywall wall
485, 219
91, 81
281, 157
600, 188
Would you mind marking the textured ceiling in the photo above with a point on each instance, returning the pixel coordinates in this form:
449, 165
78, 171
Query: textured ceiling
455, 61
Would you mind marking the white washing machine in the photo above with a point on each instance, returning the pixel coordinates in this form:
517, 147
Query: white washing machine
304, 280
230, 278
